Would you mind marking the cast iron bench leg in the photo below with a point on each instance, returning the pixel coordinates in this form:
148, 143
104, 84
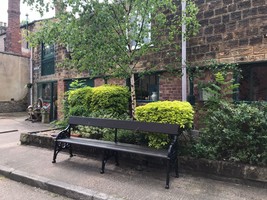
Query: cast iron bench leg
104, 161
56, 150
176, 168
116, 158
70, 150
168, 174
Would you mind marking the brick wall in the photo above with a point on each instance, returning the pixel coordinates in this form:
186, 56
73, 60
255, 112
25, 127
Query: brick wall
231, 31
13, 36
170, 87
116, 81
61, 87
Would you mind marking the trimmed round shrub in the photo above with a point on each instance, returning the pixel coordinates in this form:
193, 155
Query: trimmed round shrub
80, 96
79, 101
112, 98
171, 112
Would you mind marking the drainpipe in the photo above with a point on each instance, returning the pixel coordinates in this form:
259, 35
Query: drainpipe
184, 79
31, 78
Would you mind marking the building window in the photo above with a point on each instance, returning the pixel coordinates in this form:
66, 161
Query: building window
253, 85
147, 87
140, 26
48, 60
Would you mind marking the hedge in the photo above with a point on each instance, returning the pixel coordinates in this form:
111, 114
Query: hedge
172, 112
112, 98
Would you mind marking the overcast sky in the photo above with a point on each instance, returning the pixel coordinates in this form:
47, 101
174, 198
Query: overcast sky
33, 15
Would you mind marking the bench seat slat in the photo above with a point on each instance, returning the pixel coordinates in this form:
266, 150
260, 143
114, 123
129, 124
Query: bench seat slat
129, 148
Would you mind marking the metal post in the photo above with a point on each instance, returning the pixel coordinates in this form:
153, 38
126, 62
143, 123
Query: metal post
184, 79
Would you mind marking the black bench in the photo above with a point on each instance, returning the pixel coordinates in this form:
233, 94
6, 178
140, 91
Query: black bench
111, 149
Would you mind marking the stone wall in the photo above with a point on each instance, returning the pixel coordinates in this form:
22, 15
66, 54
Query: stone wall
232, 31
14, 73
14, 106
2, 42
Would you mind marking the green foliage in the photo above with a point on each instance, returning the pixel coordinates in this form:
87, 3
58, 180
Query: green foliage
214, 67
113, 99
87, 101
79, 101
220, 90
77, 84
172, 112
235, 132
80, 96
114, 36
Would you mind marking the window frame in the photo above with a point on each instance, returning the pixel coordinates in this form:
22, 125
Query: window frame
47, 60
147, 98
249, 67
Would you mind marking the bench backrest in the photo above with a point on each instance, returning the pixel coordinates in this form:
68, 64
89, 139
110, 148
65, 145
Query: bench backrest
171, 129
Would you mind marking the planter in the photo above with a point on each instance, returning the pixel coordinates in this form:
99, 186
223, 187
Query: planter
45, 117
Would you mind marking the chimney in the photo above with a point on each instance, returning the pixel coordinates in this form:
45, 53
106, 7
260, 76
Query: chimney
13, 36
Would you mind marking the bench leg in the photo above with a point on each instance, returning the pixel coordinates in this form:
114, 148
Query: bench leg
104, 161
116, 158
168, 174
56, 151
58, 147
176, 168
107, 154
70, 150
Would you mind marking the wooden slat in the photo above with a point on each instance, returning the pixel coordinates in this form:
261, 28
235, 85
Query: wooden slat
124, 124
122, 147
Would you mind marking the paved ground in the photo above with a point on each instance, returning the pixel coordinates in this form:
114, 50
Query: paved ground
81, 175
12, 190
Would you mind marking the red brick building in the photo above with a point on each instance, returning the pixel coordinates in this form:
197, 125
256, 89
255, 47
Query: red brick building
232, 31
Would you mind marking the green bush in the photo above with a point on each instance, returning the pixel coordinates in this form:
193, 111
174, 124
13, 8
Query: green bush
114, 99
171, 112
79, 101
235, 133
80, 96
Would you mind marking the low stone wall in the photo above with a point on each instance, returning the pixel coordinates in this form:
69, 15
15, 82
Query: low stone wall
234, 172
249, 174
13, 106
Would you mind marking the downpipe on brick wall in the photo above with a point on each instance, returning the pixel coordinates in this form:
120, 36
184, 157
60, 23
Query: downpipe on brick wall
31, 78
184, 79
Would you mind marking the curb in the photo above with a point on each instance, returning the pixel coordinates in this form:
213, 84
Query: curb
58, 187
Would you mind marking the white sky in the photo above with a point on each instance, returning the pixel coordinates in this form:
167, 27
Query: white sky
33, 15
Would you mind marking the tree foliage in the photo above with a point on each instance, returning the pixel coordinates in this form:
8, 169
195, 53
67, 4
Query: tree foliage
111, 38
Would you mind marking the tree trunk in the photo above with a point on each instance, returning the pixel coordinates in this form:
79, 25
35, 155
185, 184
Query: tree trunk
133, 96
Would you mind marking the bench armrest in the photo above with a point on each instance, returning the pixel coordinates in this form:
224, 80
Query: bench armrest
64, 133
172, 151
